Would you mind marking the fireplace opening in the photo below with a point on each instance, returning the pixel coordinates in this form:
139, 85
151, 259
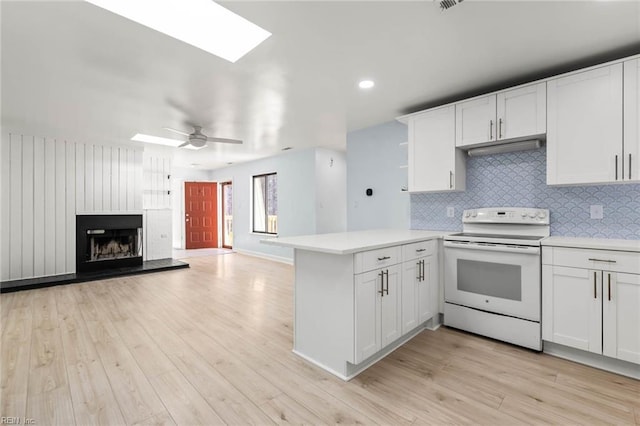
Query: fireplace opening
108, 244
108, 241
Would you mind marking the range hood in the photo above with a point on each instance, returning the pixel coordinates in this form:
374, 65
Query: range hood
505, 147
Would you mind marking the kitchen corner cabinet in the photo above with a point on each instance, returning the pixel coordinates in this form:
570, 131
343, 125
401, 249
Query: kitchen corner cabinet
591, 301
434, 162
631, 150
584, 127
419, 284
515, 114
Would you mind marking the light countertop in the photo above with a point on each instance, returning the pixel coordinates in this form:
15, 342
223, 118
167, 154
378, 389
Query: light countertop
593, 243
356, 241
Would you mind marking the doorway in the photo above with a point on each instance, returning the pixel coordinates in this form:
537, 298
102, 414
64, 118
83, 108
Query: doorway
227, 214
201, 214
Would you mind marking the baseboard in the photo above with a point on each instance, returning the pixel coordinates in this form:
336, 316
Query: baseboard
267, 256
602, 362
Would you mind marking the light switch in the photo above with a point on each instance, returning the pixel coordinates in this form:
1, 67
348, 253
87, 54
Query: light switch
596, 211
451, 211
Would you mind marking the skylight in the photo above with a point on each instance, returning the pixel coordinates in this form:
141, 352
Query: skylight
200, 23
161, 141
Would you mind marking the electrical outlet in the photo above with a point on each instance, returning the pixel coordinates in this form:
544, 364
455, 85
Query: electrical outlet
451, 211
596, 211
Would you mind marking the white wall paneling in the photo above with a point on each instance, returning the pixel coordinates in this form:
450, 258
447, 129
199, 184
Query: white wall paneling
15, 206
46, 182
49, 206
27, 206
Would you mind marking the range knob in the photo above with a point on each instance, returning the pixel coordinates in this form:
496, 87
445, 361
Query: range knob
532, 214
474, 213
542, 214
524, 214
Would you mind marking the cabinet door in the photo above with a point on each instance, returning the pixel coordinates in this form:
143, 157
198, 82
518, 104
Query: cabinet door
522, 112
621, 316
631, 162
584, 127
428, 289
367, 314
411, 275
391, 306
476, 121
434, 164
572, 307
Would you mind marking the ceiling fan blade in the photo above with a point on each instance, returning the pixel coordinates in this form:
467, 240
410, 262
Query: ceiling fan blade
182, 145
180, 132
224, 140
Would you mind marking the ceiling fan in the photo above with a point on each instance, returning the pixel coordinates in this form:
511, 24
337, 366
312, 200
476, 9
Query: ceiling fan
197, 139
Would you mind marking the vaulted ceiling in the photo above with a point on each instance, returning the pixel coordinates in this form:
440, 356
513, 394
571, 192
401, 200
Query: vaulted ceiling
74, 71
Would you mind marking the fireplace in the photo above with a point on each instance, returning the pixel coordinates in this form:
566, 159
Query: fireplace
108, 241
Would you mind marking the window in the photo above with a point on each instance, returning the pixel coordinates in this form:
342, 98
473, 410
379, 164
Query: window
265, 203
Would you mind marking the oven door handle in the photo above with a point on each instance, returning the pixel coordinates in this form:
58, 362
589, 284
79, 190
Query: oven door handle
493, 247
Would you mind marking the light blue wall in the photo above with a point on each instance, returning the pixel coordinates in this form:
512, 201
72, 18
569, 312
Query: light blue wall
374, 158
296, 200
331, 191
311, 197
519, 180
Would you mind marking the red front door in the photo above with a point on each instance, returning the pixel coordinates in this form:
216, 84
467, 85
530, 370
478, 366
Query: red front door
201, 214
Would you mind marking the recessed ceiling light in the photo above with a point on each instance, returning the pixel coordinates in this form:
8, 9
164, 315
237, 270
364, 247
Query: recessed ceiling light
163, 141
366, 84
200, 23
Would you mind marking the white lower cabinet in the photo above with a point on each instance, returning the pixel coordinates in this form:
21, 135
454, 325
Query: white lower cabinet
591, 301
419, 291
377, 310
621, 316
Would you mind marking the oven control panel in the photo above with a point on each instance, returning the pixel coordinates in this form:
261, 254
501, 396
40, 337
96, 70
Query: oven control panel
521, 215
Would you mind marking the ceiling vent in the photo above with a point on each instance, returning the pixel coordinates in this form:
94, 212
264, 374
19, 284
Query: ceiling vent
446, 4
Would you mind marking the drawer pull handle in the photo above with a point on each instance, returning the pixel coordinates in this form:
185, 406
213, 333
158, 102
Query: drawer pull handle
420, 250
602, 260
384, 258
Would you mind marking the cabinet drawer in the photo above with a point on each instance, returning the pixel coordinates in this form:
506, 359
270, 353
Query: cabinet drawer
420, 249
374, 259
608, 260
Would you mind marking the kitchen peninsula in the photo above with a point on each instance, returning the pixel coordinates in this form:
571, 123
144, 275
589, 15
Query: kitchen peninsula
360, 295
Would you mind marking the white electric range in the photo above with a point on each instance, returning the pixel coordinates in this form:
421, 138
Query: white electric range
492, 274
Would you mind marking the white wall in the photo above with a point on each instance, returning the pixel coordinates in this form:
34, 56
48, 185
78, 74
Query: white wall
45, 183
374, 157
331, 191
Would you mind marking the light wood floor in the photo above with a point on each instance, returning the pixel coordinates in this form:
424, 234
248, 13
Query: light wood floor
212, 345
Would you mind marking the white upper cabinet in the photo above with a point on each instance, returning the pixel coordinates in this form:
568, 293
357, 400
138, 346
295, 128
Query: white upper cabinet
522, 112
584, 127
510, 114
434, 162
631, 162
476, 121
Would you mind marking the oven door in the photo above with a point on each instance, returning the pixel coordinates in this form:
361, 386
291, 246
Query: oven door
495, 278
